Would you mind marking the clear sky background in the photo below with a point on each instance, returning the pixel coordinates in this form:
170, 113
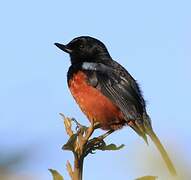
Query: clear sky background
152, 39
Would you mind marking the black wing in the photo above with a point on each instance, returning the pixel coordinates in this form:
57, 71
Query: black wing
118, 85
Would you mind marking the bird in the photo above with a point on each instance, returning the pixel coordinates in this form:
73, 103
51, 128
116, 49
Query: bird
106, 92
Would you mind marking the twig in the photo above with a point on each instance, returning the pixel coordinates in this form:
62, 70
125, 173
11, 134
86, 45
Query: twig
69, 169
81, 144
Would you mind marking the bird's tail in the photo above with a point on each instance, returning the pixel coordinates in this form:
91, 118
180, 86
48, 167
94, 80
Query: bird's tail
149, 131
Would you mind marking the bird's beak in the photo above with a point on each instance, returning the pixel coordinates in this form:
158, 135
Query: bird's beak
63, 47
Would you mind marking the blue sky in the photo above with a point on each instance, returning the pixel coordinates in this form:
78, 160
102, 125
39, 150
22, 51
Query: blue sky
152, 39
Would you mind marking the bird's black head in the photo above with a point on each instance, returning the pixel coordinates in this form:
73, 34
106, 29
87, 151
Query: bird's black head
85, 49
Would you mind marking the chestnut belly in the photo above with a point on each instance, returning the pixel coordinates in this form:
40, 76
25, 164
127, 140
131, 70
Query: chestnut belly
94, 104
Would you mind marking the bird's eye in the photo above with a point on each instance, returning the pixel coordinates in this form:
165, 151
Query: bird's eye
81, 46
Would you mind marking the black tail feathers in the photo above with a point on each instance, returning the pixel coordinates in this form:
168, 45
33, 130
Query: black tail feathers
149, 131
144, 128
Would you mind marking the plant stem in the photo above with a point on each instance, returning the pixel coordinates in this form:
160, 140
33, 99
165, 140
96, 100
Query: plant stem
78, 169
79, 144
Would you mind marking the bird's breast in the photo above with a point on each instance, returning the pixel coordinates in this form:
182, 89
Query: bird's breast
94, 104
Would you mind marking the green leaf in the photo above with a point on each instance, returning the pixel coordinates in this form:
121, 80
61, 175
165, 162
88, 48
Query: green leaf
70, 144
111, 147
99, 144
56, 175
147, 178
